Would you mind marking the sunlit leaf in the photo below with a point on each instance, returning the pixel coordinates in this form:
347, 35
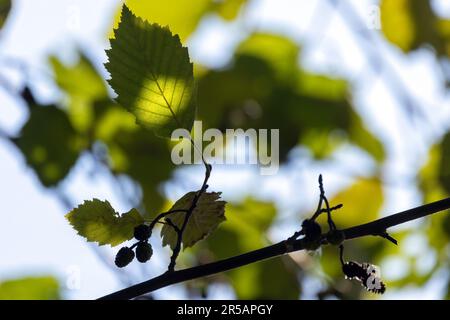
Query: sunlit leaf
98, 222
205, 218
30, 288
152, 75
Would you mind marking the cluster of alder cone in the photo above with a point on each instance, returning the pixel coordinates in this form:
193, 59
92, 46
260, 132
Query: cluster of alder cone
144, 250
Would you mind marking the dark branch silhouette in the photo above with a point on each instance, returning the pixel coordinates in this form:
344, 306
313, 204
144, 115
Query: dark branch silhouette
374, 228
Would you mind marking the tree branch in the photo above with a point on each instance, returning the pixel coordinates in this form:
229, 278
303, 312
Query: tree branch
375, 228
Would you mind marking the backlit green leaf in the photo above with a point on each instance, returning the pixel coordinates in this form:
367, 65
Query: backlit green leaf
98, 222
152, 75
205, 218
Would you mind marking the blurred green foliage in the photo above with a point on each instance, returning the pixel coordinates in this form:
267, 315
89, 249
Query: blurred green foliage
263, 86
41, 144
410, 24
97, 221
79, 95
131, 149
30, 288
5, 7
182, 16
245, 229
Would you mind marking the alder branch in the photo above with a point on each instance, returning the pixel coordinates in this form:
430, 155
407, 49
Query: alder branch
374, 228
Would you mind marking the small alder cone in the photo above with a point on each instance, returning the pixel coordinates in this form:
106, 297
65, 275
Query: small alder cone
142, 232
312, 245
312, 229
144, 252
124, 257
335, 237
313, 232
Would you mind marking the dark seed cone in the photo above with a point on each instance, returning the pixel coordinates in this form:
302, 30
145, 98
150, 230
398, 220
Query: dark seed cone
312, 229
142, 232
144, 252
124, 257
335, 237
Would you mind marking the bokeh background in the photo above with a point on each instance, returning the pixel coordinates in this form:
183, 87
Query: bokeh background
358, 89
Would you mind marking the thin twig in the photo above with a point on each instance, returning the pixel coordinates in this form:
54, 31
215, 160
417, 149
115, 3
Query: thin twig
177, 249
163, 215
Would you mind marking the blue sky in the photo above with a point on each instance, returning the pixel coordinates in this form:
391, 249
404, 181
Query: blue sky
34, 236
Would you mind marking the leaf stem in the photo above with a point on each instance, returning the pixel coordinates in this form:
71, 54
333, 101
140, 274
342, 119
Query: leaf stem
163, 215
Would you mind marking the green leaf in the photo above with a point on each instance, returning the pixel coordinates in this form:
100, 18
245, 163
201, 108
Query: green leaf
49, 143
30, 288
5, 8
152, 75
205, 218
98, 222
